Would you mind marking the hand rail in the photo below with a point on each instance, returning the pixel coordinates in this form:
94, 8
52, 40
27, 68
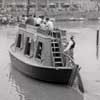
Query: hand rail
70, 58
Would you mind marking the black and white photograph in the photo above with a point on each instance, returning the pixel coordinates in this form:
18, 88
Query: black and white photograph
49, 49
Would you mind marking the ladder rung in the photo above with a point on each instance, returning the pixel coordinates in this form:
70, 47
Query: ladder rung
58, 65
56, 36
57, 59
55, 49
54, 40
58, 62
56, 54
55, 44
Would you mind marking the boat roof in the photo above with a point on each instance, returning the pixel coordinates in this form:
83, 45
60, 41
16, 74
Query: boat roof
31, 29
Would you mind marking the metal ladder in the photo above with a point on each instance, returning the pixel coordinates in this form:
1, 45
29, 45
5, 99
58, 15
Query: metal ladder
57, 58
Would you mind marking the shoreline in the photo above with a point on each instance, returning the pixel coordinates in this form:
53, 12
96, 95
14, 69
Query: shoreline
70, 15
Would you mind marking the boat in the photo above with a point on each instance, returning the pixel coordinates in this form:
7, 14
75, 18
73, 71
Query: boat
38, 53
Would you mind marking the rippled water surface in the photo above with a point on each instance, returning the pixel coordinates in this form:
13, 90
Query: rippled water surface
16, 86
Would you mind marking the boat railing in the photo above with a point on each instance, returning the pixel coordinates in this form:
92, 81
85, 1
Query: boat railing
50, 33
45, 32
69, 61
72, 61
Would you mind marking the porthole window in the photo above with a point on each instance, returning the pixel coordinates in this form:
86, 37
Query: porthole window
39, 50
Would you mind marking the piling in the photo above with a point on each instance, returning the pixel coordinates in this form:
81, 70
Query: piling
97, 44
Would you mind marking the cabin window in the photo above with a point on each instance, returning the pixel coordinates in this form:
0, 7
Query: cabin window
39, 50
28, 46
19, 40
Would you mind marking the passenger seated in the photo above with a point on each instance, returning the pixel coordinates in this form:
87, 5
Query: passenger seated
49, 24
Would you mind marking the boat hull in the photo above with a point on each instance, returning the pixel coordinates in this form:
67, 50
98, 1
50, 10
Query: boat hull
51, 74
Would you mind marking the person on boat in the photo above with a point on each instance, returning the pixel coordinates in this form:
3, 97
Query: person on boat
49, 24
35, 19
22, 19
70, 46
43, 23
25, 18
38, 21
4, 20
30, 20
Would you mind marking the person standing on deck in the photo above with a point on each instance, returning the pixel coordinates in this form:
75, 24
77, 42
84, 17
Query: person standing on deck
38, 21
35, 19
69, 49
49, 24
43, 23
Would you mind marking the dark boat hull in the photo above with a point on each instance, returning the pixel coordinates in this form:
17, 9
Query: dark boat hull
53, 75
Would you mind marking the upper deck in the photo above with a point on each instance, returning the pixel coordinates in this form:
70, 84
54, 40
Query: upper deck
34, 30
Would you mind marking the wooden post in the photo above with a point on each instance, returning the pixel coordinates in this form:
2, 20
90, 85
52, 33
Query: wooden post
80, 83
75, 74
97, 44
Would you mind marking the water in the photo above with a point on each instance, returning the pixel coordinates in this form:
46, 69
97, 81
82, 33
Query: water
16, 86
77, 24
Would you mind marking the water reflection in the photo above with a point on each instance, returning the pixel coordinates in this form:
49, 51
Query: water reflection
30, 89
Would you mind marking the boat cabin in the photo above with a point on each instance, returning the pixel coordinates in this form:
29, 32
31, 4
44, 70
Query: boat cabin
44, 46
